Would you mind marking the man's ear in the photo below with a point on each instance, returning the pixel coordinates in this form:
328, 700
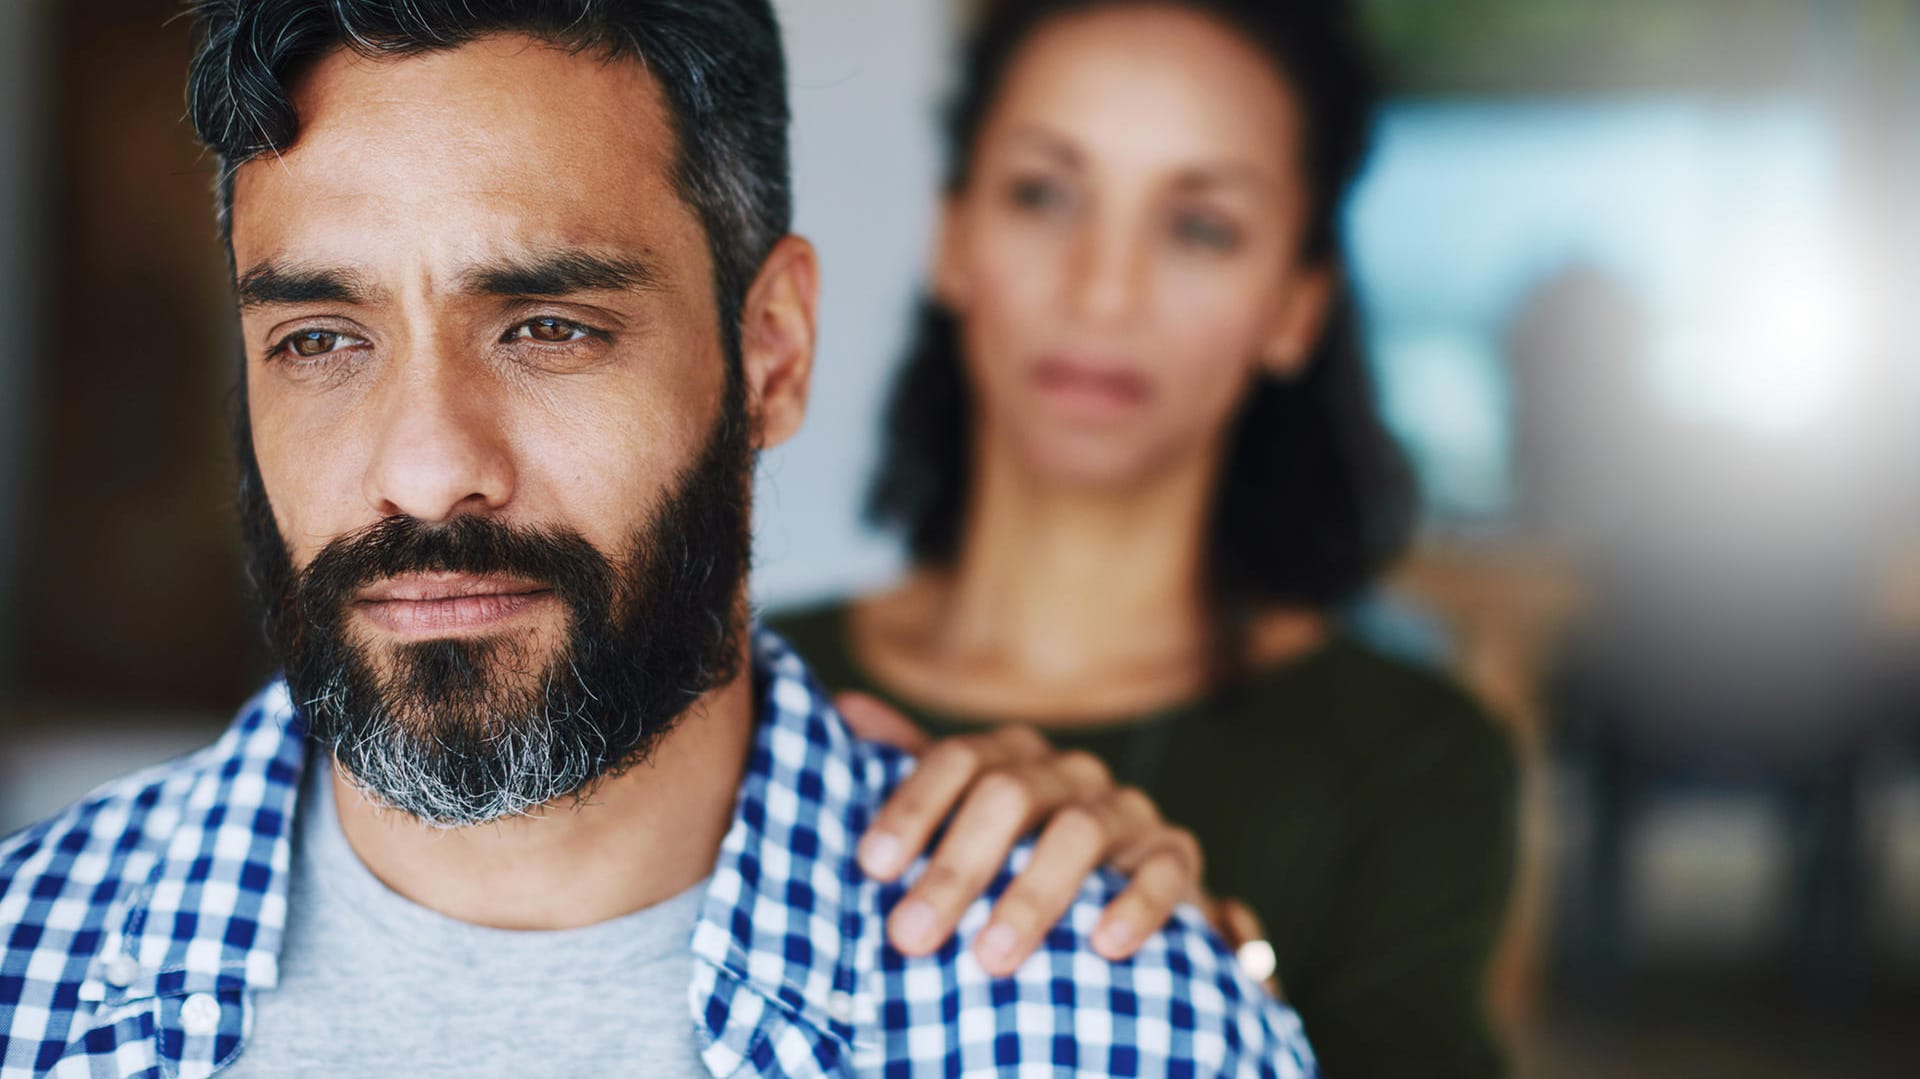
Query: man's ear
1302, 317
778, 328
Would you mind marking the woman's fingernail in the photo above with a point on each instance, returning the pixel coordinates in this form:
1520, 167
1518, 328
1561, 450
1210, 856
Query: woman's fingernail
997, 943
1113, 937
913, 921
879, 853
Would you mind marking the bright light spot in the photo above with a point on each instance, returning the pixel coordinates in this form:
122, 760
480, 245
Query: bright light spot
1779, 350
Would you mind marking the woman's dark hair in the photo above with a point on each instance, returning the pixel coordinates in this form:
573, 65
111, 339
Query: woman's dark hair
719, 63
1316, 498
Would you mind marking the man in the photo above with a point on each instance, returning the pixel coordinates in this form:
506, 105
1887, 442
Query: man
519, 306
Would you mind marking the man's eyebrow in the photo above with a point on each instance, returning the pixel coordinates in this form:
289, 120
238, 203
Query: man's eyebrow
268, 283
559, 273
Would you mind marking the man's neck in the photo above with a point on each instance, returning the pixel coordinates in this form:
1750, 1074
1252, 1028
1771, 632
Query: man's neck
642, 837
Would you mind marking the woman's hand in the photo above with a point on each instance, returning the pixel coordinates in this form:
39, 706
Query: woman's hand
995, 787
1240, 927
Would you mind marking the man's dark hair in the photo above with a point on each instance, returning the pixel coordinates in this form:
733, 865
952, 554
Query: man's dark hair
1315, 498
718, 61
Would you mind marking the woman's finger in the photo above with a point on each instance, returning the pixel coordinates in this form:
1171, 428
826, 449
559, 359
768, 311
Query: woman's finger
1002, 806
902, 826
1241, 928
1070, 848
1166, 874
1134, 825
876, 721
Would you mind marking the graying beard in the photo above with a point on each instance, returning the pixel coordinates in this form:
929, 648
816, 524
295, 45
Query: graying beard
529, 764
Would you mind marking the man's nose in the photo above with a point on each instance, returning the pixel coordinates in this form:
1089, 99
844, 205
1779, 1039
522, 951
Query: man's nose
439, 446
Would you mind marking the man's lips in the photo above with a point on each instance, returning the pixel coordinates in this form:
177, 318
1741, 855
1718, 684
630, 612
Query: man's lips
419, 605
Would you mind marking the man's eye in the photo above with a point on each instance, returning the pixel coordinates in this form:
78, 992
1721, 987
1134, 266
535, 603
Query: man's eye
549, 330
312, 344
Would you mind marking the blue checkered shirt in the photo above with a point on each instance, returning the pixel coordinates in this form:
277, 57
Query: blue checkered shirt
139, 924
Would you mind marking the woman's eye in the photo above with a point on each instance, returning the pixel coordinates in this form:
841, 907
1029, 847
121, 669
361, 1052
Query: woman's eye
313, 344
548, 330
1206, 230
1036, 193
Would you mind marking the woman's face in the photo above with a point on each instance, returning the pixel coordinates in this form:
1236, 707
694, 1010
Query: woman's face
1125, 256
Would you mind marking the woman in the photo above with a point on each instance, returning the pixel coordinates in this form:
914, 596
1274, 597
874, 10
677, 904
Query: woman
1137, 462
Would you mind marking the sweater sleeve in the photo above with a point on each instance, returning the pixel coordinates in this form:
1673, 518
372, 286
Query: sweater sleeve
1396, 983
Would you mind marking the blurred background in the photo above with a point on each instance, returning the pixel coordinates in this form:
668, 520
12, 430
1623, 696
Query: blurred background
1643, 283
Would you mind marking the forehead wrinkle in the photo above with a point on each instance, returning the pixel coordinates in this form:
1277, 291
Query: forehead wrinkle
426, 101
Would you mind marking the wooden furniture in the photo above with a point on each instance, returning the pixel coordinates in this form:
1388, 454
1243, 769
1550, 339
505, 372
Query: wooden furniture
1506, 605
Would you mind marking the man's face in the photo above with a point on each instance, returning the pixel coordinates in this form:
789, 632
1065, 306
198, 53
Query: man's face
492, 418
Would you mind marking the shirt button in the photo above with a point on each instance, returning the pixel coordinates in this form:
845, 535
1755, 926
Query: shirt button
840, 1006
200, 1015
122, 971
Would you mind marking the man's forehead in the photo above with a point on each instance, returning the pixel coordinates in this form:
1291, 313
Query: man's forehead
504, 136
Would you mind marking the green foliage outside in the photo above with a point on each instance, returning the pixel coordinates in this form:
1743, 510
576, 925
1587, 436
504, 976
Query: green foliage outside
1534, 46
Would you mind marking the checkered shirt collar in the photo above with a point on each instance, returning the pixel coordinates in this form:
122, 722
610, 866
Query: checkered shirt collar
208, 913
784, 929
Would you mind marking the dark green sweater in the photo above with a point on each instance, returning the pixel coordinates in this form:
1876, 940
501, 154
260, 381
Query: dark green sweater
1363, 807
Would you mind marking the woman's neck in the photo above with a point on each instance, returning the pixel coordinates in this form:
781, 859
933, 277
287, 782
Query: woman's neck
1057, 584
1066, 607
1063, 607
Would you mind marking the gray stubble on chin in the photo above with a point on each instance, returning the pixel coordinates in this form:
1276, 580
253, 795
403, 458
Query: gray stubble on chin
455, 756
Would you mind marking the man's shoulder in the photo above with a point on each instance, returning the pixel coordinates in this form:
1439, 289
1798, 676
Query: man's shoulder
93, 841
790, 913
1181, 1005
69, 871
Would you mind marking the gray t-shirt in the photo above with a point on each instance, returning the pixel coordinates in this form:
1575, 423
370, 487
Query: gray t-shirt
373, 984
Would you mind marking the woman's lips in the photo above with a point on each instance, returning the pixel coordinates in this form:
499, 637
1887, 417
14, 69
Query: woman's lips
440, 604
1090, 386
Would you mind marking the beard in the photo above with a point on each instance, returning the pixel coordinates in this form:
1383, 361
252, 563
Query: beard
465, 731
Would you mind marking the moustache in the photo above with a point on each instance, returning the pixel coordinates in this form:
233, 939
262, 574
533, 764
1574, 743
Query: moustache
558, 559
